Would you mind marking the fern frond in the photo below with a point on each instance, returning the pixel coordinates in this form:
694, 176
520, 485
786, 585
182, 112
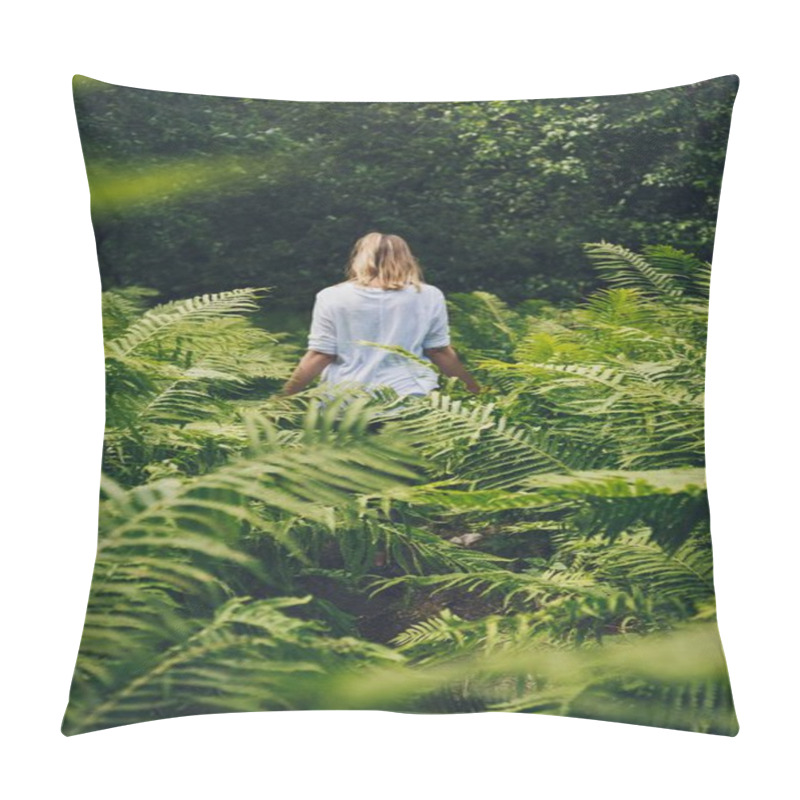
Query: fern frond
671, 503
160, 320
624, 268
121, 307
249, 657
446, 636
471, 443
511, 586
681, 577
685, 666
482, 322
693, 274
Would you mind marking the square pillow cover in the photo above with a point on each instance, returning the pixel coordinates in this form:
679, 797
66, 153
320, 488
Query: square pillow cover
404, 406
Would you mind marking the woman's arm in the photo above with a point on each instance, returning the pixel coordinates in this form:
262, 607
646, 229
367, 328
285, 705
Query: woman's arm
449, 363
311, 365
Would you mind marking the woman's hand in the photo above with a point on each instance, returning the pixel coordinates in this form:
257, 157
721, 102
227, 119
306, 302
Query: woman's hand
449, 363
474, 387
310, 366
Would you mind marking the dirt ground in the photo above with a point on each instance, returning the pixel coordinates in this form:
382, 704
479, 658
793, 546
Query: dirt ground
388, 613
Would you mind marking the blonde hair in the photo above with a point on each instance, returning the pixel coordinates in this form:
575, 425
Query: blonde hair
384, 260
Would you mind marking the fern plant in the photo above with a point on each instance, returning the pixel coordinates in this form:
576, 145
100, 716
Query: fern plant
175, 375
625, 371
241, 530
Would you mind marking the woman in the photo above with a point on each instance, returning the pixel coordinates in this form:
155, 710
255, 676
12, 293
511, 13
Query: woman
384, 301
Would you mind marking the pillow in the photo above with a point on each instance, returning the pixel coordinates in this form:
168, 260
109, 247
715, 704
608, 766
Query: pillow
529, 531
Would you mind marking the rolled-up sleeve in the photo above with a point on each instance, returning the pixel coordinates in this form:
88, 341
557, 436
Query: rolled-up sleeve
322, 336
438, 334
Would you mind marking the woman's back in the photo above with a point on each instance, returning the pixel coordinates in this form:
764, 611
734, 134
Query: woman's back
347, 314
385, 303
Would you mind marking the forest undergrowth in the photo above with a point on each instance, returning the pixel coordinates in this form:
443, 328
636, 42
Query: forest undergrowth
548, 541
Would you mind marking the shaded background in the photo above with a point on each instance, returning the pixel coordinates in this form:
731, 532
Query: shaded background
195, 193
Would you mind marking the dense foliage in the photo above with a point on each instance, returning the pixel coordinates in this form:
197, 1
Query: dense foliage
548, 541
493, 196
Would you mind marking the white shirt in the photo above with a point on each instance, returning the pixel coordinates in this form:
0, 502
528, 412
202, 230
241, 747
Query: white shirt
347, 314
